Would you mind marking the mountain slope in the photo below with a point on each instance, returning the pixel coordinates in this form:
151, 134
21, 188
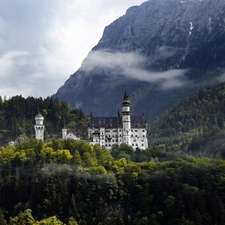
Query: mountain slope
162, 51
196, 125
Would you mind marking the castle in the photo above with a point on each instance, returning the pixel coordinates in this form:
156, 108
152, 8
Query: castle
125, 128
39, 129
107, 131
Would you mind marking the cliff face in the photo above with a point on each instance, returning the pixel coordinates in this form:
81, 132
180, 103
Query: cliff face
161, 51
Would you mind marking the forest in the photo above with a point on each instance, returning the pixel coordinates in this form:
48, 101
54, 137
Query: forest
196, 126
17, 118
71, 182
179, 179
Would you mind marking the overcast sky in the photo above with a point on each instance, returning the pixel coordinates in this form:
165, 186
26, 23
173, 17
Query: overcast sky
43, 42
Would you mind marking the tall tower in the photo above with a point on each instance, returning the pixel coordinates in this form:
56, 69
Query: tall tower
39, 127
126, 119
64, 133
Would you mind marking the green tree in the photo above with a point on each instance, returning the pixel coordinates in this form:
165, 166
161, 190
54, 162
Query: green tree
77, 158
50, 221
24, 218
2, 218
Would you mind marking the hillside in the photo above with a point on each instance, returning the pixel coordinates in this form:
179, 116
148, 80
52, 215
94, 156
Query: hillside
162, 51
71, 182
196, 125
17, 118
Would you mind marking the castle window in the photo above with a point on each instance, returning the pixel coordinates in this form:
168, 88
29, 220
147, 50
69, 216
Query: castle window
143, 135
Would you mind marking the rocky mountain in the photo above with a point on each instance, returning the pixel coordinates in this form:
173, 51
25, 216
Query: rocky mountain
161, 51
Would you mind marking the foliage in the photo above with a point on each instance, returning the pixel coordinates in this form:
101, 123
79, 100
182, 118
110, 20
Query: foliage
71, 182
196, 125
17, 118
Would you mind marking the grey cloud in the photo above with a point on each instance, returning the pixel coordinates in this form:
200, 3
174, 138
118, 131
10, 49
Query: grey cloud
23, 28
43, 42
24, 23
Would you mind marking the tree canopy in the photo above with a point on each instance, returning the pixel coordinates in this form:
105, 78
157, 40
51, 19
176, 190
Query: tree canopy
17, 118
196, 126
71, 182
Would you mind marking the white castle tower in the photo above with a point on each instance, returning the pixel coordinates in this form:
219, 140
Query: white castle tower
39, 127
125, 128
64, 133
126, 119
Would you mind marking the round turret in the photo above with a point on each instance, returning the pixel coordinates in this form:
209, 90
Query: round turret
39, 127
39, 119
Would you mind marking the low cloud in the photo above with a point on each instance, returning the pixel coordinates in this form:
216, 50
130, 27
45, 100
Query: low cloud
131, 66
221, 78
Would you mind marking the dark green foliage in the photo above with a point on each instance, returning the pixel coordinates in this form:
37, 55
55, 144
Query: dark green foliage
46, 183
2, 219
17, 118
196, 125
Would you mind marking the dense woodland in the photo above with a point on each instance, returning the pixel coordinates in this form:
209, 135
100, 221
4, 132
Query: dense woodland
196, 126
17, 118
72, 182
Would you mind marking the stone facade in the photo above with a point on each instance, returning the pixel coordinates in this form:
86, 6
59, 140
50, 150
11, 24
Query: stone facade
69, 135
124, 128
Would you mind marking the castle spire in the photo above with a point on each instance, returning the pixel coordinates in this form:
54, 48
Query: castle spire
126, 96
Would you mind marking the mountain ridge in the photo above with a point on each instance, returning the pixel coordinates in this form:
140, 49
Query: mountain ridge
155, 49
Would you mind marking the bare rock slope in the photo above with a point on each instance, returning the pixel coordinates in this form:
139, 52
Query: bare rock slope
161, 51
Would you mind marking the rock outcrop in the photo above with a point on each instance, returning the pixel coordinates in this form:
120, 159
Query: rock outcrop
161, 51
